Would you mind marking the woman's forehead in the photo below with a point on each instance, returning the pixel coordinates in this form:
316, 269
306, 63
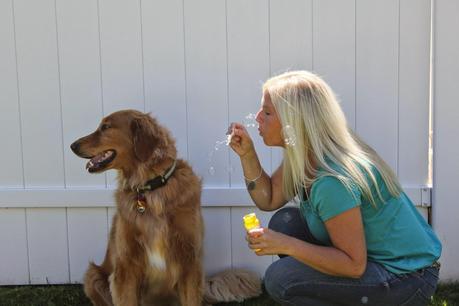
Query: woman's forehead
266, 100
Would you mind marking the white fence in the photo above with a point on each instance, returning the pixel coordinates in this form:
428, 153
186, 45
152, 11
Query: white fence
196, 65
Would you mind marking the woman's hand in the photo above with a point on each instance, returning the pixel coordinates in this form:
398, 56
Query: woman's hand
268, 242
240, 142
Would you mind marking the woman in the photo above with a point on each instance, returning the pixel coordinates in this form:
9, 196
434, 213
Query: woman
356, 238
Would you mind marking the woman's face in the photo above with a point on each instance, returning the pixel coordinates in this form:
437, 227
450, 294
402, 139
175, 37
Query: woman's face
269, 125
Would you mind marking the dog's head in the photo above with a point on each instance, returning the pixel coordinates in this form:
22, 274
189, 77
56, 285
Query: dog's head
125, 140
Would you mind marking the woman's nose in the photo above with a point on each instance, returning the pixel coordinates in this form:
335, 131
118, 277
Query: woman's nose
258, 116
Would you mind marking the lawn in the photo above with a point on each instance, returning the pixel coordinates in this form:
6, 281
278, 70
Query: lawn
72, 295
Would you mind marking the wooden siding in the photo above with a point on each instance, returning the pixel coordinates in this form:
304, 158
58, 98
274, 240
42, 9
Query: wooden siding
196, 65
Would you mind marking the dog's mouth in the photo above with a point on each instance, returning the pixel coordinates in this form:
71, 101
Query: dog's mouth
100, 161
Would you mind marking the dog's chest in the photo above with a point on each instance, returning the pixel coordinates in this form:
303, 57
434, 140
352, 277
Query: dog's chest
156, 259
155, 249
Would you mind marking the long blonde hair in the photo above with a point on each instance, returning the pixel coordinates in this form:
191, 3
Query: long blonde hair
307, 106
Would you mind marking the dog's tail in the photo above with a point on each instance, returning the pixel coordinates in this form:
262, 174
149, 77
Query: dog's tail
233, 285
96, 285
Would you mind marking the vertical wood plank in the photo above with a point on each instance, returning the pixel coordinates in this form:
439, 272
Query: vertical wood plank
11, 161
79, 60
207, 93
290, 43
413, 158
121, 55
334, 50
48, 248
377, 76
163, 49
290, 33
87, 242
38, 72
248, 68
217, 239
13, 253
121, 58
446, 129
243, 256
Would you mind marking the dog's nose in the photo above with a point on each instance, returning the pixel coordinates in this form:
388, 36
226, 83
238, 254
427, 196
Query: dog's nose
75, 146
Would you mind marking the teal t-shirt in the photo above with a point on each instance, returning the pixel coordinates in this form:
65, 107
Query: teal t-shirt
396, 235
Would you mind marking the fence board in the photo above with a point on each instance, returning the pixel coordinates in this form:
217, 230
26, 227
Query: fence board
290, 31
121, 59
413, 159
38, 73
87, 239
217, 239
206, 75
377, 76
80, 78
248, 68
164, 64
11, 161
48, 248
446, 127
13, 253
334, 50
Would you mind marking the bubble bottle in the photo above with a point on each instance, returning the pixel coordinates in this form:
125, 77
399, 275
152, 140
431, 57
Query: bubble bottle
252, 225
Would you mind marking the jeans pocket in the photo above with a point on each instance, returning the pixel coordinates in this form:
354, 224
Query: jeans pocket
417, 299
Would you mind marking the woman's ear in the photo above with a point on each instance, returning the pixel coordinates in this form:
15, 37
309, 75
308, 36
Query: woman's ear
144, 139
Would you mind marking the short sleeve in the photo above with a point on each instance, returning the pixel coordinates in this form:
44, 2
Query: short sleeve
330, 197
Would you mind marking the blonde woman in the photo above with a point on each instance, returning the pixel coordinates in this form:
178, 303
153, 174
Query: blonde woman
356, 238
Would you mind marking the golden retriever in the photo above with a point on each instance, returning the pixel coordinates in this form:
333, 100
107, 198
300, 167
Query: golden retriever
154, 253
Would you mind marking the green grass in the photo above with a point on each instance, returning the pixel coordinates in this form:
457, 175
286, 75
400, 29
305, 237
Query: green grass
72, 295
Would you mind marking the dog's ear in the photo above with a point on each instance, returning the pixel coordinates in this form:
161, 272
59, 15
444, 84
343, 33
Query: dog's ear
144, 138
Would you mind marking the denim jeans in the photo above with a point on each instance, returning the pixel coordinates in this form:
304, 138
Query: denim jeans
291, 282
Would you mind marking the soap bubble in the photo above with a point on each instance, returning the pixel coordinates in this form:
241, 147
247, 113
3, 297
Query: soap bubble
250, 121
211, 170
228, 139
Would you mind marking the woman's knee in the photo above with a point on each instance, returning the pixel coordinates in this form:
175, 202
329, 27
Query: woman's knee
284, 219
289, 221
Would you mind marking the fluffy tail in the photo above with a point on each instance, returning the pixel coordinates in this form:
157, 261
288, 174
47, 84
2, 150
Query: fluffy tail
234, 285
96, 286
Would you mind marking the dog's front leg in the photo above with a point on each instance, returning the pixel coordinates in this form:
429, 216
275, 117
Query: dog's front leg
190, 286
125, 287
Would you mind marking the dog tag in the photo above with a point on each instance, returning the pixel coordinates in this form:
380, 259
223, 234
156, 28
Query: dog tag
141, 201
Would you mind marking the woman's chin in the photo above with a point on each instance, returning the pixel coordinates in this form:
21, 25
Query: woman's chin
267, 142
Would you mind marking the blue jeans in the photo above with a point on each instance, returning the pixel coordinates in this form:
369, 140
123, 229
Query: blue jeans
291, 282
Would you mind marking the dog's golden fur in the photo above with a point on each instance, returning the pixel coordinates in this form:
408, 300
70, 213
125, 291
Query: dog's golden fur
154, 257
156, 254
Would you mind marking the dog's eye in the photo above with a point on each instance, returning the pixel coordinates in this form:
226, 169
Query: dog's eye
104, 127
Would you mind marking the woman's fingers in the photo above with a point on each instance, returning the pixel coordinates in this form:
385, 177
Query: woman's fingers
256, 245
254, 238
236, 139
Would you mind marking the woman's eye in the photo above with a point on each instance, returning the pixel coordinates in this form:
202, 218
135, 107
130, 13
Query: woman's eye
267, 114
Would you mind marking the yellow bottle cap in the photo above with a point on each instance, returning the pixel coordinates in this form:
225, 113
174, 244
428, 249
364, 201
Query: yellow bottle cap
251, 221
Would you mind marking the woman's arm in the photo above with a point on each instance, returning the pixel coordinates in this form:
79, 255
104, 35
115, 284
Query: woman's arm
347, 257
265, 191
